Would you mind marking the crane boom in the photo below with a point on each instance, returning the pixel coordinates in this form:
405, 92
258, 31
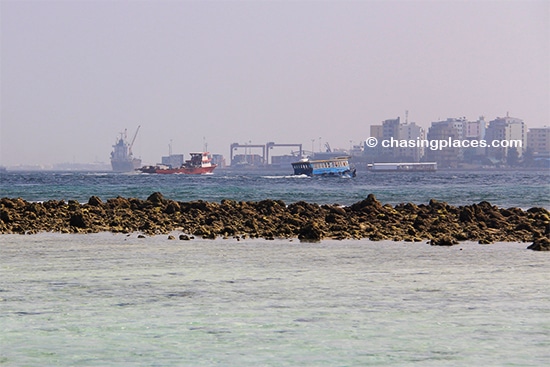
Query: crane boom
133, 140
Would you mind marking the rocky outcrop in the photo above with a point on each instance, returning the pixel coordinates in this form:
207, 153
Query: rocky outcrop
437, 222
540, 244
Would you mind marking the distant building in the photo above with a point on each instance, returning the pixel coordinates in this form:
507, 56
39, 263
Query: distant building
377, 131
410, 132
538, 141
243, 160
356, 150
172, 160
389, 129
504, 130
450, 156
475, 130
393, 130
219, 160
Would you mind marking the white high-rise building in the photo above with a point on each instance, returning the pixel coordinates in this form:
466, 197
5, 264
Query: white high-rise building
505, 130
414, 132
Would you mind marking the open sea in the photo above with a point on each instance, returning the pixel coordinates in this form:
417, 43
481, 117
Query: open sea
523, 189
118, 300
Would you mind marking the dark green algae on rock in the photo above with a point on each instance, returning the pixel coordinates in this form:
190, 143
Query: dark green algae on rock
437, 222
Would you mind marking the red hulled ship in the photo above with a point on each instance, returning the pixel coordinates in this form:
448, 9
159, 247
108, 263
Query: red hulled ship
199, 164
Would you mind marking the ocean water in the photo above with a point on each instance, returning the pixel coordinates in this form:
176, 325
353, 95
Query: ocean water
523, 189
117, 300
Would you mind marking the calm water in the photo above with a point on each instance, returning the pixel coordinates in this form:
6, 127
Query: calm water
506, 189
104, 299
116, 300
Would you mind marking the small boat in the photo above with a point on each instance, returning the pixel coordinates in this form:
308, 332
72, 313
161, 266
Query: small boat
338, 166
199, 164
403, 167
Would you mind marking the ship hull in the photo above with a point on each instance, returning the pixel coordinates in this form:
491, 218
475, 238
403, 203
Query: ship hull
328, 167
187, 170
125, 165
199, 164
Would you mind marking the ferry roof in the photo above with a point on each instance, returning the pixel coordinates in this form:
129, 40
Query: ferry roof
324, 160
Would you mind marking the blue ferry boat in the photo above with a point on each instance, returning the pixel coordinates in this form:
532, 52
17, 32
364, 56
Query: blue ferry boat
338, 166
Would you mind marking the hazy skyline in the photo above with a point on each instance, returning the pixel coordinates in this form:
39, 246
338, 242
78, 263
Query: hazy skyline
75, 74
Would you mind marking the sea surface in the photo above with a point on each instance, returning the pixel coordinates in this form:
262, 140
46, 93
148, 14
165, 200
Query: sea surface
118, 300
523, 189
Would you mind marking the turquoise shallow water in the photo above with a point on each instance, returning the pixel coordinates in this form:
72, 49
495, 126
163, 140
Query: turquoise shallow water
117, 300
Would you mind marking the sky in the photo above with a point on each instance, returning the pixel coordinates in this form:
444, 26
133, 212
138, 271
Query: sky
74, 74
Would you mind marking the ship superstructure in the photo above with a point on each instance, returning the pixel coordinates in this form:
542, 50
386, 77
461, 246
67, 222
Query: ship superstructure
122, 158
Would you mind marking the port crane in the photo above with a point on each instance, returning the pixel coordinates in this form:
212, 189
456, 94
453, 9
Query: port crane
133, 140
265, 149
235, 146
271, 144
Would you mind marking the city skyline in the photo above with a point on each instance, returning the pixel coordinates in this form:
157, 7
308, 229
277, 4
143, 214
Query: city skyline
416, 133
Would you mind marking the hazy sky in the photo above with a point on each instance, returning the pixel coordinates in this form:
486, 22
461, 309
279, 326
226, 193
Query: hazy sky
76, 73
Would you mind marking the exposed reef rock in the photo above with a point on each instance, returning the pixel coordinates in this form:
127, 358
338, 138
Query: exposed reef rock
540, 244
437, 222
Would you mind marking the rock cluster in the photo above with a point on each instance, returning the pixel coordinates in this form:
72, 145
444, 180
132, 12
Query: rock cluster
438, 222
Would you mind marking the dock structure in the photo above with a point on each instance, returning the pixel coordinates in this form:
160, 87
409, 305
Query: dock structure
265, 151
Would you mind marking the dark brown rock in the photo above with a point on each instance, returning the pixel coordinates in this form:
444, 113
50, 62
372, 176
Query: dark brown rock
310, 233
78, 220
439, 222
156, 198
443, 241
540, 244
95, 201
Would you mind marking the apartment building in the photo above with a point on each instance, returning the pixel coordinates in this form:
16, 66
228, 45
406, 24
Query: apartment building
411, 132
501, 131
538, 141
452, 128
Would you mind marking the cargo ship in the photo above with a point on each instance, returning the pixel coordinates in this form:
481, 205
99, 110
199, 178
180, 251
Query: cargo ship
122, 159
199, 164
